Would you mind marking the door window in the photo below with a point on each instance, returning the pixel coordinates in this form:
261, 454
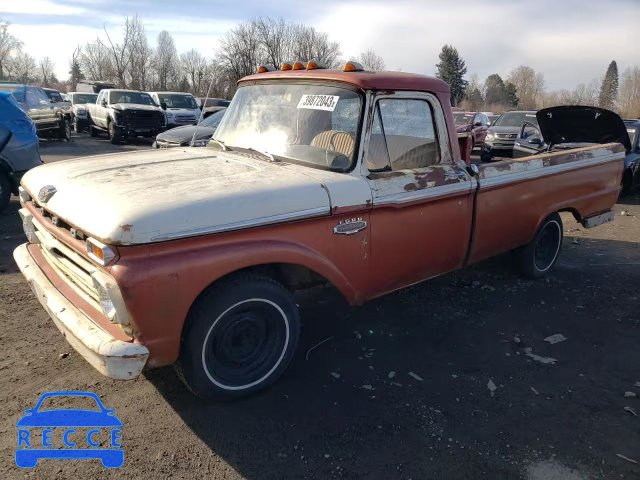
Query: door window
403, 136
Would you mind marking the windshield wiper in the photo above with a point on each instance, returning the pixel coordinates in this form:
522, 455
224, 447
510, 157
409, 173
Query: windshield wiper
219, 142
263, 152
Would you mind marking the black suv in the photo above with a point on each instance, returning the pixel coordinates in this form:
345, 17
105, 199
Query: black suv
50, 120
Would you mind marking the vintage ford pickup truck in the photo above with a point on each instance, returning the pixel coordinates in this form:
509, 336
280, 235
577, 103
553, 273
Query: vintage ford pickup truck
190, 256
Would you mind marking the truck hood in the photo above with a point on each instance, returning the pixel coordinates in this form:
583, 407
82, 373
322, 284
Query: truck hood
155, 195
135, 106
582, 124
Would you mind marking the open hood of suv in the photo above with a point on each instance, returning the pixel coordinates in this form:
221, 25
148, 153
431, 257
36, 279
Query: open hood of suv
582, 124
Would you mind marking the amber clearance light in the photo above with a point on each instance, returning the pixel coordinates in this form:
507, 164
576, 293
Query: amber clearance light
286, 66
265, 68
99, 251
313, 65
353, 67
298, 66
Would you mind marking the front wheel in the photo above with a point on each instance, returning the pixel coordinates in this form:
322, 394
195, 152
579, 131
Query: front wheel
114, 137
65, 130
539, 255
238, 338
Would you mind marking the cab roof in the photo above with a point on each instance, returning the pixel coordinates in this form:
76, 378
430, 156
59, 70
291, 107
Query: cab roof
365, 80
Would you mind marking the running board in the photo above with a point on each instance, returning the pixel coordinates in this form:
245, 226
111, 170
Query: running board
596, 220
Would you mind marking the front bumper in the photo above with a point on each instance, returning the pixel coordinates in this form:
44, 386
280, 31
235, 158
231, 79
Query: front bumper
114, 358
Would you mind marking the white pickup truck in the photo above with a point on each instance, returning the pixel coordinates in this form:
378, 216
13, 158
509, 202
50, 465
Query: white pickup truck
125, 114
179, 108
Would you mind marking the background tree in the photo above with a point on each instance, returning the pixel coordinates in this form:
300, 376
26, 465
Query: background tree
528, 84
75, 72
512, 94
95, 61
370, 60
629, 102
165, 62
494, 90
609, 87
8, 46
195, 67
120, 53
24, 68
46, 68
452, 69
140, 54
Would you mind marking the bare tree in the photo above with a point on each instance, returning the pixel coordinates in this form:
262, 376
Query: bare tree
141, 56
75, 71
529, 85
46, 68
240, 51
194, 67
120, 53
370, 60
277, 38
629, 93
23, 68
95, 61
8, 45
313, 45
165, 62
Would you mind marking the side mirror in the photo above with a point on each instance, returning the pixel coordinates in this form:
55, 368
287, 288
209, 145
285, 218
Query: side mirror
104, 102
535, 141
163, 105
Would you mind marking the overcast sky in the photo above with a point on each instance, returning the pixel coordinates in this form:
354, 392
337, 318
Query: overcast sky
570, 41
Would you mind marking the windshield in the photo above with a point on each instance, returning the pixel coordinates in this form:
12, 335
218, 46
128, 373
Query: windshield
633, 136
313, 124
214, 119
53, 96
84, 98
139, 98
178, 100
515, 119
462, 118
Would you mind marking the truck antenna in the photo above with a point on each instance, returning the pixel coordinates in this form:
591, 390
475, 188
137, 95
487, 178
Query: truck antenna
204, 105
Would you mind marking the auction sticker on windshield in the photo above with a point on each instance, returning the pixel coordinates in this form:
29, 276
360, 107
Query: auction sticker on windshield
319, 102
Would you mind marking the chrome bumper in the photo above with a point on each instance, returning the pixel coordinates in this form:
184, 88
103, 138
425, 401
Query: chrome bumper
114, 358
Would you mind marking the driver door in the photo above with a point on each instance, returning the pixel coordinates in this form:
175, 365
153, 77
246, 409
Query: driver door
422, 200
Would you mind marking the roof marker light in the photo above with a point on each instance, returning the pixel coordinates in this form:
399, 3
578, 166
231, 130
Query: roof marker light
352, 66
313, 65
298, 66
265, 68
286, 66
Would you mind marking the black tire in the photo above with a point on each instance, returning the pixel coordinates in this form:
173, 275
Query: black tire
539, 256
93, 131
114, 137
238, 338
485, 157
65, 130
5, 191
76, 127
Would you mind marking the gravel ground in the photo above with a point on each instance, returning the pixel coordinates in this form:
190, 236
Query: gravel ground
449, 379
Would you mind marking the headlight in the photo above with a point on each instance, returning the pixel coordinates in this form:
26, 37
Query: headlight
490, 136
81, 111
110, 298
99, 251
200, 143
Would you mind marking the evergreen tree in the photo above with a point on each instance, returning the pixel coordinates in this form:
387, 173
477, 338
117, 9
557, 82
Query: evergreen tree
512, 94
609, 87
452, 69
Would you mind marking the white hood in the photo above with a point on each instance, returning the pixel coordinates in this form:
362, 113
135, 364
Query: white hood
155, 195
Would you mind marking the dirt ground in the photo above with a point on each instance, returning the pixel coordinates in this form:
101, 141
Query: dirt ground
449, 379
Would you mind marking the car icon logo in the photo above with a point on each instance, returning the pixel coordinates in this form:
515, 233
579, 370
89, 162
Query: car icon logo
74, 428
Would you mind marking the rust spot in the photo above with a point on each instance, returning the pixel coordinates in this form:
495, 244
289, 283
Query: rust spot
385, 175
410, 187
126, 228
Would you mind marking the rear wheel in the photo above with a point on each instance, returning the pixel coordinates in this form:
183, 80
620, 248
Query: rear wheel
5, 191
539, 255
65, 130
238, 338
93, 131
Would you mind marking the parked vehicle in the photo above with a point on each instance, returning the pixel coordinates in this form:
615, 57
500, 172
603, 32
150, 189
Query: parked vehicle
179, 108
213, 105
48, 119
474, 123
56, 98
313, 176
79, 109
503, 133
631, 175
93, 86
125, 115
18, 147
183, 136
492, 118
574, 126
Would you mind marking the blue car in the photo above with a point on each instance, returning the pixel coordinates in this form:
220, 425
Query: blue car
21, 152
28, 453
